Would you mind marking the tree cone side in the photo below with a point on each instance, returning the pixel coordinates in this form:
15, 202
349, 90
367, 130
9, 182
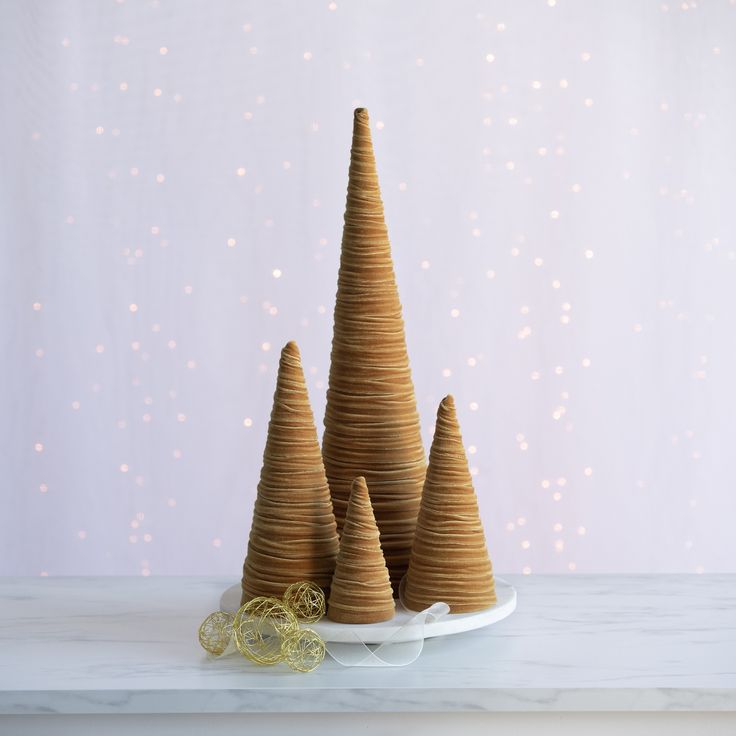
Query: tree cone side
293, 535
449, 560
361, 589
371, 420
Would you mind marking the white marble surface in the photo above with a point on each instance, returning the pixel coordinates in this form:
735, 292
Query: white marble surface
575, 643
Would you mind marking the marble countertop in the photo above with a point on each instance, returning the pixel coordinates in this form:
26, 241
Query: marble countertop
575, 643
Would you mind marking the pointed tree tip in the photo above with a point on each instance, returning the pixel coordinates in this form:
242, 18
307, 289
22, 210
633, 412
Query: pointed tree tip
448, 403
291, 349
359, 493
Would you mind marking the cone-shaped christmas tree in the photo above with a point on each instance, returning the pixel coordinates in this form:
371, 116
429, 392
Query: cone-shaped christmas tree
293, 536
361, 591
449, 559
371, 421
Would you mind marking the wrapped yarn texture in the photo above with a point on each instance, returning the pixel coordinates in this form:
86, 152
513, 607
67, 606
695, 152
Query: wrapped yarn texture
293, 536
361, 591
449, 559
371, 420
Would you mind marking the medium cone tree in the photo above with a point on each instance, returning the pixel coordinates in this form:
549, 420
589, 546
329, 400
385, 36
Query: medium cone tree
361, 590
371, 420
449, 560
293, 536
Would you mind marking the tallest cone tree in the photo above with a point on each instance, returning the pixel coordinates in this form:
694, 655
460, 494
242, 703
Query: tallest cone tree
371, 421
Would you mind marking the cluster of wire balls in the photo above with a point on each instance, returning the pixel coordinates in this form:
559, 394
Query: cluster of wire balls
267, 631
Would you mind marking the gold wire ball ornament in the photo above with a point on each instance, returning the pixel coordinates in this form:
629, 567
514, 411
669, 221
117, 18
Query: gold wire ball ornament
260, 627
266, 630
303, 650
306, 600
215, 632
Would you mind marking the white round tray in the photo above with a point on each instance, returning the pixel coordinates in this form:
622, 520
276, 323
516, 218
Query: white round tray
452, 623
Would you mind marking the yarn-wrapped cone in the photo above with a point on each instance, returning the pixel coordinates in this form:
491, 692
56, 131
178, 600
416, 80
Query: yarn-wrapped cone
293, 536
371, 420
449, 560
361, 590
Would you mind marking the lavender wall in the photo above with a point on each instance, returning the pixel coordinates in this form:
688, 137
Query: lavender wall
558, 181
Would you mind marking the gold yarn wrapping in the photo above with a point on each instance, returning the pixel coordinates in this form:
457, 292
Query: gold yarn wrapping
449, 558
266, 630
361, 588
371, 419
293, 535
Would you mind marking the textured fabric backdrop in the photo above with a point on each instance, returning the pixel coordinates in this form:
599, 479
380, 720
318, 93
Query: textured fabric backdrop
559, 187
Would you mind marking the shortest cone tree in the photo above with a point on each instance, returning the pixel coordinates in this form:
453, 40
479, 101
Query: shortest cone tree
361, 590
449, 559
293, 536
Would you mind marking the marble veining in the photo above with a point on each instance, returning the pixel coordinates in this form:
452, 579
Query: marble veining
575, 643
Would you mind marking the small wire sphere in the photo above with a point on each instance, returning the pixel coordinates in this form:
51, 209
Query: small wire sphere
303, 650
260, 627
215, 632
306, 600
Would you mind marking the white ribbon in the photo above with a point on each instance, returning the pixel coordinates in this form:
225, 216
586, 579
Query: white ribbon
390, 653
